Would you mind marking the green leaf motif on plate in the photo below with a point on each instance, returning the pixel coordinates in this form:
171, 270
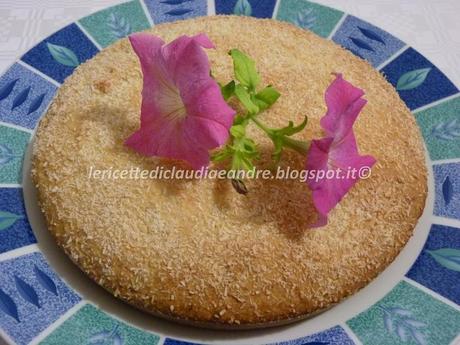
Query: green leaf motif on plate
306, 19
119, 26
7, 219
447, 257
63, 55
400, 323
411, 80
7, 155
242, 8
447, 130
112, 337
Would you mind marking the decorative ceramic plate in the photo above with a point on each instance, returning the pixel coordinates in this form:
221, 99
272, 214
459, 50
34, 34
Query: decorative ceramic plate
45, 299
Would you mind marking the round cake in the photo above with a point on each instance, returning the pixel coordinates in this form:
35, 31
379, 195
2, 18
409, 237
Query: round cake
195, 250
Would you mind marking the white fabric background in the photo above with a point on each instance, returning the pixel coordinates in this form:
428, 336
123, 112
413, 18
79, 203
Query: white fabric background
430, 26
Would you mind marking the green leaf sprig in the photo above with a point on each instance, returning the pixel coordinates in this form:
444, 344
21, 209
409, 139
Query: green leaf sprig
241, 150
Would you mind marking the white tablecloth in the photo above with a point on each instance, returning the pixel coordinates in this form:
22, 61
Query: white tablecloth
430, 26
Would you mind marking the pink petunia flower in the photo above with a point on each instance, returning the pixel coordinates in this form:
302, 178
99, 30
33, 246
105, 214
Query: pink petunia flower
183, 113
337, 149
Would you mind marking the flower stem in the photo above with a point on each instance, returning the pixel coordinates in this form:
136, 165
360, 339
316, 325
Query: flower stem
294, 144
297, 145
261, 125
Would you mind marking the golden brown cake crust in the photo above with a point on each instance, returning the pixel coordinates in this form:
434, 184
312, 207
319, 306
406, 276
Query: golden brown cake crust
196, 250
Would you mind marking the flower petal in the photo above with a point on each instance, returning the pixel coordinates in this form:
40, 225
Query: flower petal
327, 192
338, 150
208, 133
345, 153
317, 158
159, 95
324, 155
186, 60
169, 142
146, 140
147, 47
181, 145
344, 104
205, 100
203, 40
183, 113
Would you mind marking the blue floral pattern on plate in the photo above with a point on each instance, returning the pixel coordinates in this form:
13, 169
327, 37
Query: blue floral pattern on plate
59, 54
13, 145
438, 265
24, 96
440, 127
91, 326
309, 15
31, 297
366, 40
407, 315
417, 80
254, 8
447, 188
163, 11
15, 231
114, 23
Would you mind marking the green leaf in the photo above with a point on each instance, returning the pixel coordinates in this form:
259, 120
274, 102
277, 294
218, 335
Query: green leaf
7, 219
242, 161
267, 97
245, 69
238, 120
244, 152
290, 129
412, 79
242, 8
228, 90
245, 98
222, 154
63, 55
238, 131
447, 257
280, 139
248, 147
